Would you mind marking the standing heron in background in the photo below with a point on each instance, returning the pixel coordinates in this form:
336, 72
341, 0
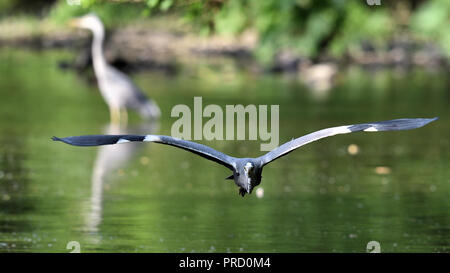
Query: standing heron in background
247, 171
116, 88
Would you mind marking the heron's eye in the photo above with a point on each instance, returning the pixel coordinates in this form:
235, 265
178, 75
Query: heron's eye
237, 174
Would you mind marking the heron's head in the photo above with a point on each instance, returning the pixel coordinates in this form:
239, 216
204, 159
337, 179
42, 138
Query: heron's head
247, 177
89, 21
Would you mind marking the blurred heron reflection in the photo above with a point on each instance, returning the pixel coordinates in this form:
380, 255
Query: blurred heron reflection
110, 159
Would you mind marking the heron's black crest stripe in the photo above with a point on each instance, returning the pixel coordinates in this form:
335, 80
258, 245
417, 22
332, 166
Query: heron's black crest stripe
95, 140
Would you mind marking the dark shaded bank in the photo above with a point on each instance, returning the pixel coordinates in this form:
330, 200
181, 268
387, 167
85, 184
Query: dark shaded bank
134, 48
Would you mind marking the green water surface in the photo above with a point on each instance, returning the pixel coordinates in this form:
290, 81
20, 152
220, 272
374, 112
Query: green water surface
156, 198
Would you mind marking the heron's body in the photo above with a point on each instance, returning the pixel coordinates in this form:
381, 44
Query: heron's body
117, 89
247, 171
251, 170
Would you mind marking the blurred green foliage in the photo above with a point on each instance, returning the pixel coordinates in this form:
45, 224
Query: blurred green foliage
112, 13
305, 27
35, 6
432, 22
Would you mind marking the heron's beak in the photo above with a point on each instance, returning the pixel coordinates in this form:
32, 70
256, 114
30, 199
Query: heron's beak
248, 188
74, 22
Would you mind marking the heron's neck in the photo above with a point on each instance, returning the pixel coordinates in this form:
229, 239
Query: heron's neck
98, 57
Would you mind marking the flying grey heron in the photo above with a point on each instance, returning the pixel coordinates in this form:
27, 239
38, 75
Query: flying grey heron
247, 171
117, 89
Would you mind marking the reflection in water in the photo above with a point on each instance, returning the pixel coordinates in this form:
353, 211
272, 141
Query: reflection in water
111, 158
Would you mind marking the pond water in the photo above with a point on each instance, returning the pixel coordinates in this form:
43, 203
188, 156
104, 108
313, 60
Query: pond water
156, 198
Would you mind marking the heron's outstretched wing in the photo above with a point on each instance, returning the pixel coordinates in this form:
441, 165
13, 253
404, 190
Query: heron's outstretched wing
196, 148
390, 125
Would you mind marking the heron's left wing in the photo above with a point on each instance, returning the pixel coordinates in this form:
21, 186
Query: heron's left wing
390, 125
197, 148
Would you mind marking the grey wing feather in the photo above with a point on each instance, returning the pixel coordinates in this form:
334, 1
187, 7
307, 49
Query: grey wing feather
199, 149
98, 140
390, 125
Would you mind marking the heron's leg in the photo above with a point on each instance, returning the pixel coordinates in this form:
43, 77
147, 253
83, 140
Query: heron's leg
115, 114
124, 114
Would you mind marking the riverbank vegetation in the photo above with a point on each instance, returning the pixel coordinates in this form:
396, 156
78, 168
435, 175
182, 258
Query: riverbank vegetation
286, 31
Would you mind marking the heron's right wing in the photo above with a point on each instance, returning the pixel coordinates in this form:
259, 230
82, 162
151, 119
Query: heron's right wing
389, 125
196, 148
